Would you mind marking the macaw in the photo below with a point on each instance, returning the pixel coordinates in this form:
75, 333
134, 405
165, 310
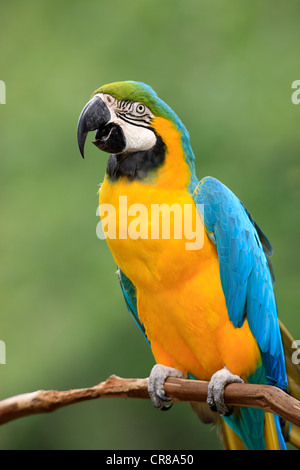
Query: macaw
208, 313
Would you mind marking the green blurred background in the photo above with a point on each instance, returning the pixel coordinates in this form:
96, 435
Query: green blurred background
226, 68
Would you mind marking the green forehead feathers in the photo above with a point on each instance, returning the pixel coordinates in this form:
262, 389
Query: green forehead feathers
139, 92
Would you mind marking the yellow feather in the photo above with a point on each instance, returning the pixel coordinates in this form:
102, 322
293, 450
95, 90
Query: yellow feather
179, 294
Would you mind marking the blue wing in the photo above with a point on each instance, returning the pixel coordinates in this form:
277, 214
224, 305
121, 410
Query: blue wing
246, 275
128, 290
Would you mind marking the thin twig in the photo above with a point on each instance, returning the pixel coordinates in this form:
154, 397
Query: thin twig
266, 397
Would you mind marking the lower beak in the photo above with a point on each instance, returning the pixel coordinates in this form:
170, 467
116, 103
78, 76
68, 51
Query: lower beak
95, 115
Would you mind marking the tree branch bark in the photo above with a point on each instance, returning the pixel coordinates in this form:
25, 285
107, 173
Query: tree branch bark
266, 397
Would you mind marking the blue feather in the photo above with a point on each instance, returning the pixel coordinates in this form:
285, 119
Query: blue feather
128, 290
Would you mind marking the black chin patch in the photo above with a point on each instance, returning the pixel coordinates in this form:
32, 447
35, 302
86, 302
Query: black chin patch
110, 138
137, 165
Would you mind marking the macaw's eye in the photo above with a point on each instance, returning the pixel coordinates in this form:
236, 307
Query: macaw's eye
140, 108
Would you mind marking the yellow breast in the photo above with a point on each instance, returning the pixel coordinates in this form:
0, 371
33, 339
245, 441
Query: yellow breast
152, 233
179, 294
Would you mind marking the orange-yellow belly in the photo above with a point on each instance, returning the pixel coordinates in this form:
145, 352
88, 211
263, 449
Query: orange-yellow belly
179, 295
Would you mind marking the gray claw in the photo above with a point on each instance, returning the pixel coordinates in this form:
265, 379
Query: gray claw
157, 378
216, 387
166, 408
163, 397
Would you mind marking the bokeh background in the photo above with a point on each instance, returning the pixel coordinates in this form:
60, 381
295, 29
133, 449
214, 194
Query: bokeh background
226, 68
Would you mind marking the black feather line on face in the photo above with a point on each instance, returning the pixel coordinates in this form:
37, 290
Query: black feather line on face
137, 165
134, 121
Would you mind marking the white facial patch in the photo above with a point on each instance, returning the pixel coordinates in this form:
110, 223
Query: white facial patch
138, 134
137, 138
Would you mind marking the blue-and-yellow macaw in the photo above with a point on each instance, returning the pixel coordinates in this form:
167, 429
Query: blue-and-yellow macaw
208, 313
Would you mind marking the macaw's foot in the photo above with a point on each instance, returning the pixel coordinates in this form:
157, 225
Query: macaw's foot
157, 378
217, 384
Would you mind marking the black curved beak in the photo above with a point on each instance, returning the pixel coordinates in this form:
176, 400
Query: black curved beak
95, 115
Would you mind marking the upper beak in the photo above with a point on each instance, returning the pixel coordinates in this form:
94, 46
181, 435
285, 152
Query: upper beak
94, 115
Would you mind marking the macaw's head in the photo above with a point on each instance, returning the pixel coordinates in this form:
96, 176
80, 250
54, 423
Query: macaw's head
136, 127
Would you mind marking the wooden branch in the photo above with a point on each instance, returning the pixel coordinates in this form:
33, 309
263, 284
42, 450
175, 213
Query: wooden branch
266, 397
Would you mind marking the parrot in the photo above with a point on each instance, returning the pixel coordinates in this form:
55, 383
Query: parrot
208, 311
